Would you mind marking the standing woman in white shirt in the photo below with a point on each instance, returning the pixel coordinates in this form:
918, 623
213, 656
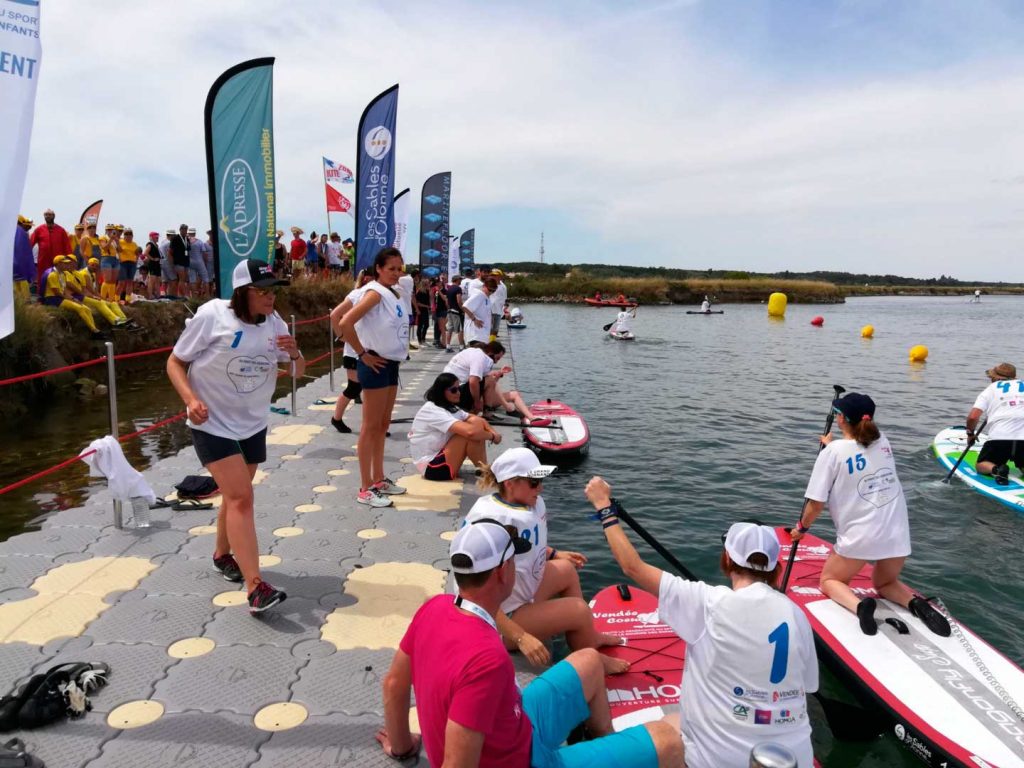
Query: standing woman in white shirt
477, 312
224, 368
378, 330
856, 476
750, 659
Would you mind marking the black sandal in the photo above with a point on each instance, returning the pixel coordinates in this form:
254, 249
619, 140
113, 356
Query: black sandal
184, 505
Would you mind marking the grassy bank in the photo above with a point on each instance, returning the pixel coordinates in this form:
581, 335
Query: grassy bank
578, 285
930, 290
46, 338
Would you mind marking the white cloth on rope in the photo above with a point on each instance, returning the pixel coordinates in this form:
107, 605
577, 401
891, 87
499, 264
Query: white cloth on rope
124, 481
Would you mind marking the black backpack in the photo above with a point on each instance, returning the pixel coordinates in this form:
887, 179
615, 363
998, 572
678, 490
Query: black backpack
52, 695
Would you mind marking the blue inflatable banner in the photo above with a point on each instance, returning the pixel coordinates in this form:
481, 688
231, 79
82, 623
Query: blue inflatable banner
467, 250
239, 120
435, 206
375, 178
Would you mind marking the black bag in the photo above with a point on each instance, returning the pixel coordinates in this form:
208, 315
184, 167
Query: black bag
47, 698
196, 487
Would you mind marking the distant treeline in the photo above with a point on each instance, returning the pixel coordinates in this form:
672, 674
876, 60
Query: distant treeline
838, 278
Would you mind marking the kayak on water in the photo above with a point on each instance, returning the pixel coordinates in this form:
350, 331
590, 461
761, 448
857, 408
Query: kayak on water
948, 700
610, 303
566, 435
950, 443
708, 312
651, 688
623, 335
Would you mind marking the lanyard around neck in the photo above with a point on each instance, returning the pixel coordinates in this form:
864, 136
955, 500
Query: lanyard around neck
476, 610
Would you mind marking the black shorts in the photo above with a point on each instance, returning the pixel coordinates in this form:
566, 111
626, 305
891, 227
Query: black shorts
1001, 451
348, 362
439, 469
211, 448
153, 268
466, 396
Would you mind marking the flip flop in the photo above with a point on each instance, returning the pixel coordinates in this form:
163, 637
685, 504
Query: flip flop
160, 503
278, 409
184, 505
321, 401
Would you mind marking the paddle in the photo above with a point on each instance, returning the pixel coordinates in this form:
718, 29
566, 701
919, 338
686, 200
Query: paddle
655, 544
606, 327
837, 391
971, 441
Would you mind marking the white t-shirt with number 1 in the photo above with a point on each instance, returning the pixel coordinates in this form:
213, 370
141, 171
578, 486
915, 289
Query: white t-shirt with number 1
864, 497
750, 663
1002, 402
479, 305
233, 368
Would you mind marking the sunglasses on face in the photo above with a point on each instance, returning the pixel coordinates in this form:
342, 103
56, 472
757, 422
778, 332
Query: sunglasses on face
453, 390
534, 482
262, 291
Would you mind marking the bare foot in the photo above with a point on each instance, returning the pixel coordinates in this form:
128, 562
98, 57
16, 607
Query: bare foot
610, 640
614, 666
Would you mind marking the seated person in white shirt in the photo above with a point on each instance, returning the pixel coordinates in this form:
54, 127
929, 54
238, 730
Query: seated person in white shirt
478, 377
443, 435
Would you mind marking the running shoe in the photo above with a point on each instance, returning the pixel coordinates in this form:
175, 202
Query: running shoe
932, 619
264, 597
373, 498
388, 488
1001, 474
449, 350
228, 567
340, 425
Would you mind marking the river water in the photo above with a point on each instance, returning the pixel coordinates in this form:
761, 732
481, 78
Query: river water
700, 422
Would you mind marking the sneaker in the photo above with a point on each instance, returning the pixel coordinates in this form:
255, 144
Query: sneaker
99, 336
228, 567
449, 350
373, 498
121, 325
264, 597
932, 619
388, 488
1001, 474
340, 425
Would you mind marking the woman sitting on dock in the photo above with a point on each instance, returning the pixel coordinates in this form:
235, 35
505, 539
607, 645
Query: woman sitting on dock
547, 599
443, 435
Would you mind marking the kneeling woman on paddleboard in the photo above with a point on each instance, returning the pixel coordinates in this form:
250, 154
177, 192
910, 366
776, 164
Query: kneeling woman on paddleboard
547, 599
443, 435
750, 660
856, 476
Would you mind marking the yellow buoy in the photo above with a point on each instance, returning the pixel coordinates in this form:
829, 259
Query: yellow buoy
918, 353
867, 332
777, 305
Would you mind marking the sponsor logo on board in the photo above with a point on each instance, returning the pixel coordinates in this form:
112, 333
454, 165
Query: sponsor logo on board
666, 691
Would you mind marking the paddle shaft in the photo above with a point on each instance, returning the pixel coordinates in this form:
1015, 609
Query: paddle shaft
837, 391
655, 544
970, 441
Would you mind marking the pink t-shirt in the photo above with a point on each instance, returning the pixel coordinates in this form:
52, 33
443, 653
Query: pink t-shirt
462, 672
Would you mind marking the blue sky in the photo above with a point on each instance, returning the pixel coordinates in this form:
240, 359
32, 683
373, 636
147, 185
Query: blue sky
865, 135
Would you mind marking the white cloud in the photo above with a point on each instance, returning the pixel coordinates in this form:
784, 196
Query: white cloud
619, 121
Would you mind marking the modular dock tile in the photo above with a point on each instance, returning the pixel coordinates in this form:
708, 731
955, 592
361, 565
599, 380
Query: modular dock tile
186, 576
294, 620
139, 542
19, 571
347, 682
53, 541
333, 741
68, 743
17, 660
318, 545
155, 619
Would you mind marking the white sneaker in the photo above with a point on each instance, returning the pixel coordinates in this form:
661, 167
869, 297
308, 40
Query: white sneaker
388, 488
373, 498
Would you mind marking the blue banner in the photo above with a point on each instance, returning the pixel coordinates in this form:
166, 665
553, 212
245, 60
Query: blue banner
467, 250
239, 122
435, 206
375, 178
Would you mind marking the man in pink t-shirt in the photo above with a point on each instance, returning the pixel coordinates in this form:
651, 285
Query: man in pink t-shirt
470, 708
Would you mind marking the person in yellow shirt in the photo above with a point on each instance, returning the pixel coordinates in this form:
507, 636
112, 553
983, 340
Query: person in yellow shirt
76, 245
64, 293
128, 253
110, 266
110, 310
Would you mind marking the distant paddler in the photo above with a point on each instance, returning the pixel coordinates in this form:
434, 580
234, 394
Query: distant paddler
856, 476
705, 306
1002, 404
624, 321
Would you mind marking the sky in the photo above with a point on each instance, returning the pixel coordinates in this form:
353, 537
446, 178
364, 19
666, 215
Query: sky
764, 135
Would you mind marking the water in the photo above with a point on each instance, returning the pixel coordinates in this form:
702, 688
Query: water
706, 420
698, 423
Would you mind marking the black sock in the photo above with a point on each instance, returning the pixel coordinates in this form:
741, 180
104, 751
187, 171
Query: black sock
866, 615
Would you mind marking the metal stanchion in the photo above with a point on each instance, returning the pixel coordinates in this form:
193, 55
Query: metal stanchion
330, 338
771, 755
112, 392
293, 369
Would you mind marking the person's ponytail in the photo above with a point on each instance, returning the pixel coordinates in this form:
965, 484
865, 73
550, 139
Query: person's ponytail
865, 431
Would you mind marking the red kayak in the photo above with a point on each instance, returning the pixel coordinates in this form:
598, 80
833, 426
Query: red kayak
564, 433
950, 701
611, 303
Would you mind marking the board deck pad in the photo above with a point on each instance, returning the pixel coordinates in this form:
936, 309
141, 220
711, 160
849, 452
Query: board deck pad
943, 710
567, 432
947, 447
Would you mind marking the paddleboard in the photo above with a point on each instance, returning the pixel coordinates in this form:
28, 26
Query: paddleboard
623, 335
709, 312
947, 447
566, 435
516, 325
934, 691
609, 303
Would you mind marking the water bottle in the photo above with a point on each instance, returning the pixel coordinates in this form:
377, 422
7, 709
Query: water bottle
768, 754
140, 512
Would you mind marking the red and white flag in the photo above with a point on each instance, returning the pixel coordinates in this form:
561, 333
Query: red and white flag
336, 173
337, 202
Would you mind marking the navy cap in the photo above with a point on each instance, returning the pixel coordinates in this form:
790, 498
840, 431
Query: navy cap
855, 406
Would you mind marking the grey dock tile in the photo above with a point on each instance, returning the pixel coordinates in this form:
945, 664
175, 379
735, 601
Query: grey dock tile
17, 660
404, 547
334, 741
21, 570
186, 576
346, 682
66, 743
89, 516
52, 541
158, 620
310, 579
314, 545
294, 620
425, 522
140, 542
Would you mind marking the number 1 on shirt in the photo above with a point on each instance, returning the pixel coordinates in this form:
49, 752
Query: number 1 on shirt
238, 338
779, 637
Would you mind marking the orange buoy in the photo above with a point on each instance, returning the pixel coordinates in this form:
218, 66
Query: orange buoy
818, 321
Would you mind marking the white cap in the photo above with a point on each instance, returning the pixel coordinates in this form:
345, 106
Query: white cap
746, 539
256, 273
519, 462
487, 544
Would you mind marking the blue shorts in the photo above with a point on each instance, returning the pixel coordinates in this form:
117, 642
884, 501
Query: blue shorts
385, 377
110, 262
127, 270
555, 704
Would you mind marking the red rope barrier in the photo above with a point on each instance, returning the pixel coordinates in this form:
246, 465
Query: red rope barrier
311, 320
52, 372
45, 472
144, 353
317, 359
152, 427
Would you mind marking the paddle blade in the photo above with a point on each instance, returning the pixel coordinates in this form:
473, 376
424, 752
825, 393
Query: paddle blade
606, 327
850, 722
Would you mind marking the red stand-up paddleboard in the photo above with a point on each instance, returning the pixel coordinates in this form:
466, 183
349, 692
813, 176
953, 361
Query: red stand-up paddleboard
952, 701
564, 435
610, 303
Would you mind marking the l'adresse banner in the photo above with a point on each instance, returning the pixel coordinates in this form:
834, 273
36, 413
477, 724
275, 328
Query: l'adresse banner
375, 177
240, 167
20, 54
